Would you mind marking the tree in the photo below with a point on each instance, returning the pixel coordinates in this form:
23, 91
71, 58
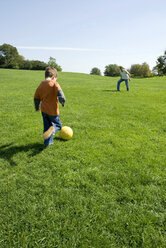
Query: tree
38, 65
9, 57
145, 70
160, 68
135, 70
26, 65
138, 70
52, 63
95, 71
33, 65
112, 70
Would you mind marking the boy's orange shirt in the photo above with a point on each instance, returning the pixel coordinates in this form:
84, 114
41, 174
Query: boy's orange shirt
47, 93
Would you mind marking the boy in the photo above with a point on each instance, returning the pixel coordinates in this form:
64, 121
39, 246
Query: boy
125, 76
48, 93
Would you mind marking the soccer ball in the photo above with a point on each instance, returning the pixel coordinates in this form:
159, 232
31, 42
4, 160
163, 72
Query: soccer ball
66, 133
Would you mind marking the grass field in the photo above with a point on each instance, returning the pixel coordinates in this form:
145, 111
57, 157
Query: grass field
105, 187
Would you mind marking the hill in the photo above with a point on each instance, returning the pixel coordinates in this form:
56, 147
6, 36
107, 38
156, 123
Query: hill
105, 187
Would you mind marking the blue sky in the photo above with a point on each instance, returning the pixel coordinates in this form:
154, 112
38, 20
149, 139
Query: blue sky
82, 34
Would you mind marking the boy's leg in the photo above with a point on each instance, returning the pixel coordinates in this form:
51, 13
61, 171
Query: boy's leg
118, 84
127, 84
56, 122
47, 124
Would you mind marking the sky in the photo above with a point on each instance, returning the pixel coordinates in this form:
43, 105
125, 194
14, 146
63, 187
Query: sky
82, 34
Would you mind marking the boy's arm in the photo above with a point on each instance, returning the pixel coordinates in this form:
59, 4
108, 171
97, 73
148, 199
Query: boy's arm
61, 97
37, 104
37, 100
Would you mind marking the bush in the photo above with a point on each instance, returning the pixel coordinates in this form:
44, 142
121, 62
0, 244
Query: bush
138, 70
26, 65
145, 70
135, 70
38, 65
112, 70
10, 58
32, 65
95, 71
52, 63
160, 68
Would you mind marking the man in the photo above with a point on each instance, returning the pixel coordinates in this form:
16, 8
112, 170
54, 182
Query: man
125, 76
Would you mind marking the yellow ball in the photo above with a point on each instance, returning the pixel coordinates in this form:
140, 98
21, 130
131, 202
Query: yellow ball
66, 133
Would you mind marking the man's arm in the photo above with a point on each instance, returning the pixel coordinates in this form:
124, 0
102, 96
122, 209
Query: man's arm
129, 74
61, 97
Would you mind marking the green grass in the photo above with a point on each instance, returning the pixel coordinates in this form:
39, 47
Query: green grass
105, 187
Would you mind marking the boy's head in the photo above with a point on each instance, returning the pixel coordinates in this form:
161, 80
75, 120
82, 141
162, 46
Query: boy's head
51, 72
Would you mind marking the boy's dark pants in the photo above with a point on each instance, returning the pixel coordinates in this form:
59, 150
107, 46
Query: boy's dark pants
48, 121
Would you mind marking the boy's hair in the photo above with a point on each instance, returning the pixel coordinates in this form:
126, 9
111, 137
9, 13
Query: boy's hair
50, 71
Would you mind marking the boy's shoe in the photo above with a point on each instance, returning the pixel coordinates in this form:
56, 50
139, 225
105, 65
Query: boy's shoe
48, 133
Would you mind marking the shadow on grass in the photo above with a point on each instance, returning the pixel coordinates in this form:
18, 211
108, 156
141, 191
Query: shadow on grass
8, 151
59, 139
110, 90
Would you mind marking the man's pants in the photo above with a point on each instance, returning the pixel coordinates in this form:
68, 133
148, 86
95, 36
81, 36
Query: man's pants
121, 80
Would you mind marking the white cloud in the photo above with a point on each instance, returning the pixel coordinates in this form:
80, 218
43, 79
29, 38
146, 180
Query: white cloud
61, 48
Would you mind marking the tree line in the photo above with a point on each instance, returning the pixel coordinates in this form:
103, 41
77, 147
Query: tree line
10, 58
136, 70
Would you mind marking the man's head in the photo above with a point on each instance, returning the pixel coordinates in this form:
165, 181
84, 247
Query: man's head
121, 68
51, 72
